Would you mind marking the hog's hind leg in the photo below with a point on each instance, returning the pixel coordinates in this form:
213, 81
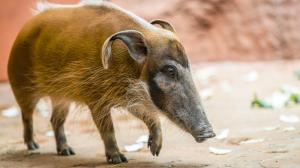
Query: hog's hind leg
27, 103
27, 107
59, 115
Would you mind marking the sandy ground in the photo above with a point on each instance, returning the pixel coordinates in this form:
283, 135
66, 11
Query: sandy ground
228, 107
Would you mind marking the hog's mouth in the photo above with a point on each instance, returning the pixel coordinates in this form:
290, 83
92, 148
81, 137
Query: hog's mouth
201, 135
202, 138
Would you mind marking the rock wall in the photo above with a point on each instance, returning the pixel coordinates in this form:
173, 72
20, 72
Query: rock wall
229, 29
211, 30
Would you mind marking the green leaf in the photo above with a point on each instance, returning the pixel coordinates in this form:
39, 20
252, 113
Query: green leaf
256, 102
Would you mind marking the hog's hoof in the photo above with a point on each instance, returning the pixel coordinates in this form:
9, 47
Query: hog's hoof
155, 143
116, 158
65, 151
32, 145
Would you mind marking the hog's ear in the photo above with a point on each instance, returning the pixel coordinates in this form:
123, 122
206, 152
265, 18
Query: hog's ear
134, 41
163, 24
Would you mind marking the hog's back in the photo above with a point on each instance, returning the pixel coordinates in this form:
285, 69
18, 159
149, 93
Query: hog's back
59, 47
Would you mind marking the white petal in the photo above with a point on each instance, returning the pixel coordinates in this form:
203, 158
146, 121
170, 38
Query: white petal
219, 151
252, 141
44, 107
207, 93
287, 129
11, 112
134, 147
289, 118
223, 134
251, 76
142, 139
50, 133
271, 128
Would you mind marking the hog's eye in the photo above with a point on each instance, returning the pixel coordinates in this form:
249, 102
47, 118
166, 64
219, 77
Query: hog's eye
170, 70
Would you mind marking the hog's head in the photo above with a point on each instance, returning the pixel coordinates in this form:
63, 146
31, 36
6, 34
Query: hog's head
166, 70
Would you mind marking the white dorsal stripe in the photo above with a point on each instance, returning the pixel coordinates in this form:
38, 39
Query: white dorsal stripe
43, 5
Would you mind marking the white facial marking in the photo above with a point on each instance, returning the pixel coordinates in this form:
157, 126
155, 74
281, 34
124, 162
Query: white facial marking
163, 83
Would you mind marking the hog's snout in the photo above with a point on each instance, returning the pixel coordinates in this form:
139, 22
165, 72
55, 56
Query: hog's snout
202, 133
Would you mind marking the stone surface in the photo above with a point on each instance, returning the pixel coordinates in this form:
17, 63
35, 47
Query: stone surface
229, 29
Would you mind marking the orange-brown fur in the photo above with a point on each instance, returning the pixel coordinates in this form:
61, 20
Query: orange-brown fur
58, 54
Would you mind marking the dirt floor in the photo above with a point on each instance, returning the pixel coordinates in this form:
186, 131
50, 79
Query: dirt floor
230, 88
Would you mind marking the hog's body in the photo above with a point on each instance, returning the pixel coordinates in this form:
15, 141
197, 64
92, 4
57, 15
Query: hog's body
58, 54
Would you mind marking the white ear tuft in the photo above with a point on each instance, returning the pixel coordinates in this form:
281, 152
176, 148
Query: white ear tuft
106, 53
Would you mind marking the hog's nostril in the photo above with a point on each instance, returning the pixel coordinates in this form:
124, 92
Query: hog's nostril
202, 131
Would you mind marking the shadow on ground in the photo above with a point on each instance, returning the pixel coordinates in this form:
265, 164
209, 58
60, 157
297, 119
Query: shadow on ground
24, 158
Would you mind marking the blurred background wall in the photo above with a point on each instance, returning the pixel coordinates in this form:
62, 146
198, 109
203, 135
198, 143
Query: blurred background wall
13, 15
211, 30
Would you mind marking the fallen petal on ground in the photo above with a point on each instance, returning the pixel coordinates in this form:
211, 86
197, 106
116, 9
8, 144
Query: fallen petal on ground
134, 147
252, 141
11, 112
289, 118
219, 151
223, 134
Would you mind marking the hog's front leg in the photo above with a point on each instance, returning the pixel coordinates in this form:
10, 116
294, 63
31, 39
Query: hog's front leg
105, 126
148, 113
